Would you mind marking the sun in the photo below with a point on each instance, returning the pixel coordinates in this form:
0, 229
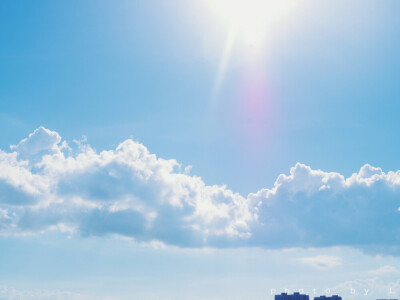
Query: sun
251, 20
250, 25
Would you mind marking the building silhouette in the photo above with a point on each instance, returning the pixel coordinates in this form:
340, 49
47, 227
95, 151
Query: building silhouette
333, 297
295, 296
298, 296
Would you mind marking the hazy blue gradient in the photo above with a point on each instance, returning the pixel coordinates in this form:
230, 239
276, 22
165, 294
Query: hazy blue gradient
114, 70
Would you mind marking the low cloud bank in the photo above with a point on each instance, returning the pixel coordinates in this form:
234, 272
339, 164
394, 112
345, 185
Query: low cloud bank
47, 185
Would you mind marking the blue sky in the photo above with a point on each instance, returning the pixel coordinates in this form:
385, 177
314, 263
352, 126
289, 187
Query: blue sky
228, 97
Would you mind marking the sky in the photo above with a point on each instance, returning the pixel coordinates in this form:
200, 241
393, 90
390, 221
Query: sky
199, 149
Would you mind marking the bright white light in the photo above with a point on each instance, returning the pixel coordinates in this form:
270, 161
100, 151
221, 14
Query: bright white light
251, 20
249, 23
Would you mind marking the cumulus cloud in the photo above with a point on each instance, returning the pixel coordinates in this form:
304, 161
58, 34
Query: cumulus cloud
319, 209
40, 142
45, 185
127, 191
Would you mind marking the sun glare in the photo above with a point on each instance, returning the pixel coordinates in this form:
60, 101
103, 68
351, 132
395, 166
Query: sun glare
250, 25
251, 20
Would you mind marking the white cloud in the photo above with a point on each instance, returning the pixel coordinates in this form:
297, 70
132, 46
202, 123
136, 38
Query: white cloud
40, 142
368, 288
384, 270
126, 191
11, 293
45, 185
321, 209
321, 262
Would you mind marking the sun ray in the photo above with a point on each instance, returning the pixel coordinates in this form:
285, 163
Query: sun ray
223, 64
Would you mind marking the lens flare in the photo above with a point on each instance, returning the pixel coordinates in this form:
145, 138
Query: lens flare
251, 25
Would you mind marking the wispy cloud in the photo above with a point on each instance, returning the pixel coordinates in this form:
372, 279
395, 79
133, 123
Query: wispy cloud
11, 293
384, 270
322, 262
